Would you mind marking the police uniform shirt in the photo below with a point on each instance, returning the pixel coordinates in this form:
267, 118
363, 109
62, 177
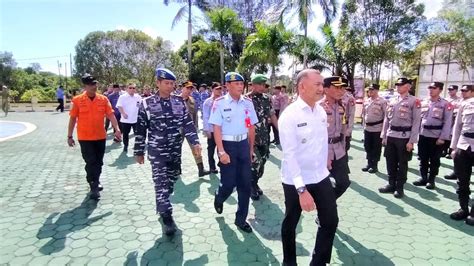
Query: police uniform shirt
304, 141
437, 113
464, 124
165, 120
231, 114
374, 111
336, 127
349, 105
402, 112
206, 112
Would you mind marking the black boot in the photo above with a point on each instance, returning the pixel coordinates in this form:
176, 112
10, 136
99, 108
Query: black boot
470, 218
213, 170
254, 191
201, 170
95, 193
389, 188
399, 190
373, 168
422, 181
459, 215
431, 183
169, 224
259, 190
366, 168
451, 176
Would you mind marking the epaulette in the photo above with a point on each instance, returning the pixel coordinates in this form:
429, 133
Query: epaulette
247, 98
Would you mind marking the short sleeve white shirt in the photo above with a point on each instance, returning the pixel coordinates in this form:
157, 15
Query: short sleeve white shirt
304, 141
130, 105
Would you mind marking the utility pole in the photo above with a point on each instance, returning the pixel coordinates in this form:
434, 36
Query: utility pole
65, 76
59, 72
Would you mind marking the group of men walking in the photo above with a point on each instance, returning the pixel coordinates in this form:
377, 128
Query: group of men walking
314, 132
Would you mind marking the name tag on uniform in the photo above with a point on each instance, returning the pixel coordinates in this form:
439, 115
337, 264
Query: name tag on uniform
227, 110
302, 125
155, 108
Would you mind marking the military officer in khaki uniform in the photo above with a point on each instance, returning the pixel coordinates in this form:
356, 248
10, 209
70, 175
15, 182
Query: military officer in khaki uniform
400, 131
436, 119
190, 102
373, 113
337, 130
462, 144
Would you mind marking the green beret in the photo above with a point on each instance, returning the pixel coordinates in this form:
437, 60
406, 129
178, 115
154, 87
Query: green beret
259, 79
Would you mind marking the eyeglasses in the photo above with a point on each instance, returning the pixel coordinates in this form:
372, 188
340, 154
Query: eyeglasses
132, 88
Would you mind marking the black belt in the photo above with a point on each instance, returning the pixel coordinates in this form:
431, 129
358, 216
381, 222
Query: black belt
335, 140
432, 127
373, 123
400, 129
468, 135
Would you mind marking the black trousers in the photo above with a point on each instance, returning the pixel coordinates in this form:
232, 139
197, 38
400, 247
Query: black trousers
211, 148
340, 172
463, 163
373, 147
397, 158
93, 154
61, 105
325, 200
126, 127
430, 155
276, 135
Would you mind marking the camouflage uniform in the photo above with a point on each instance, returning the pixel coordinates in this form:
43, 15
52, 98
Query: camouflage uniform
263, 107
164, 119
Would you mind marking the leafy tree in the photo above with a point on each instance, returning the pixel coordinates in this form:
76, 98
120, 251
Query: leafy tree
7, 64
186, 9
224, 22
266, 46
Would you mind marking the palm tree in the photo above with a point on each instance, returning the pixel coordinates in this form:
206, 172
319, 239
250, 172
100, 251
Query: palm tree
224, 22
203, 5
265, 47
304, 10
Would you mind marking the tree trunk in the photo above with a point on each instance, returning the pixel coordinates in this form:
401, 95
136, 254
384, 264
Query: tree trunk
305, 48
221, 55
190, 35
272, 78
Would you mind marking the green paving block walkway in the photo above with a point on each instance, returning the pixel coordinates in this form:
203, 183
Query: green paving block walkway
46, 219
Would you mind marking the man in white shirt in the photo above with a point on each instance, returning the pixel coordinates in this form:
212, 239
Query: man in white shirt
128, 104
304, 168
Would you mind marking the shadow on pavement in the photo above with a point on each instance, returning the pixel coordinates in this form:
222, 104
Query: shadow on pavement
247, 251
165, 251
447, 166
391, 207
123, 161
68, 222
351, 252
186, 194
439, 215
422, 192
274, 160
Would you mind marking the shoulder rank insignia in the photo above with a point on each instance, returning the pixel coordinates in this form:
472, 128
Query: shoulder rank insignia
449, 106
418, 103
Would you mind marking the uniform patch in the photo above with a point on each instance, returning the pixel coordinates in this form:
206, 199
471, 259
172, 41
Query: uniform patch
302, 125
227, 110
449, 106
418, 103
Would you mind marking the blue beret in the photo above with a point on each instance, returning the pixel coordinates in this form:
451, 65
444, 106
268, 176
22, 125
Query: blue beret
233, 76
164, 73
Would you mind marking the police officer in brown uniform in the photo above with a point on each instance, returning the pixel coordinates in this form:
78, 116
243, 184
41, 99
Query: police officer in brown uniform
349, 104
337, 130
462, 144
436, 119
400, 130
373, 113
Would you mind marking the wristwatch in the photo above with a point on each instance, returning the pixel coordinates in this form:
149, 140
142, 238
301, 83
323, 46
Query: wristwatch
220, 153
301, 190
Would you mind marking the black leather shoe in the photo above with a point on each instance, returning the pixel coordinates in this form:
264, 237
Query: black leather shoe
420, 182
95, 194
430, 185
100, 187
398, 194
214, 171
219, 207
259, 190
470, 220
387, 189
366, 168
372, 170
450, 177
244, 227
459, 215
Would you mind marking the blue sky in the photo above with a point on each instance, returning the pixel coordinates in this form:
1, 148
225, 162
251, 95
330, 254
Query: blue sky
46, 31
